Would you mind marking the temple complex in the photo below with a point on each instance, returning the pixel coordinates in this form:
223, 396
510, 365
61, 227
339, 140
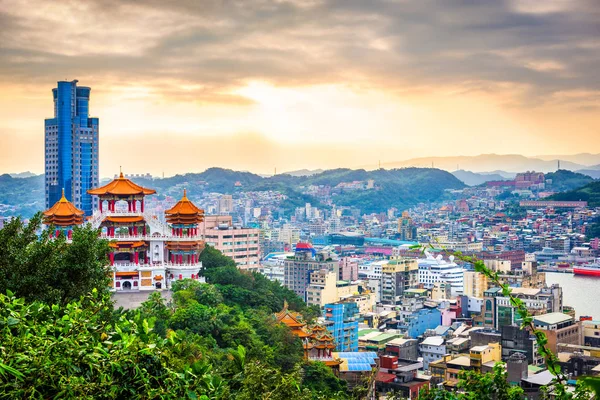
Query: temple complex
317, 342
147, 253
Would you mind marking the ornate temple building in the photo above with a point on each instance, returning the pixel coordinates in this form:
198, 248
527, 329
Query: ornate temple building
146, 253
63, 215
317, 342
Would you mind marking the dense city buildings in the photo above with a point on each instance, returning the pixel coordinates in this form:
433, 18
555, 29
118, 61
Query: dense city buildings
71, 148
300, 266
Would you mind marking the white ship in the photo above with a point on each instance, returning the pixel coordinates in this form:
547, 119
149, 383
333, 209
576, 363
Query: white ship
436, 269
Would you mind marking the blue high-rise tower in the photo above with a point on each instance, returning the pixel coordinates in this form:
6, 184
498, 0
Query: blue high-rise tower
71, 148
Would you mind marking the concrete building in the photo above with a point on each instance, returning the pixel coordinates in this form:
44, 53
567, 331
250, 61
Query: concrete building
498, 265
406, 349
322, 288
521, 341
474, 284
482, 355
559, 328
441, 291
499, 311
432, 349
397, 276
591, 333
348, 269
225, 204
305, 261
341, 319
241, 244
418, 322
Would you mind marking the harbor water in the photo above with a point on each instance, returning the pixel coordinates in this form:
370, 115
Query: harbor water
580, 292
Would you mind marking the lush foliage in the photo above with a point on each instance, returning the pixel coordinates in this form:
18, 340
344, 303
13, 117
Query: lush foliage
589, 193
563, 180
37, 267
217, 340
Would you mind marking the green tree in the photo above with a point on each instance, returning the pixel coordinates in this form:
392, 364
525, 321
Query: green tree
212, 258
37, 267
72, 352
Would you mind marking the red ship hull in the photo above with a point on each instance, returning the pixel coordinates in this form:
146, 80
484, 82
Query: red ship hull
588, 272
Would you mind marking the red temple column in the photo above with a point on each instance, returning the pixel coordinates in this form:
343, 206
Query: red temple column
100, 206
173, 231
181, 259
111, 257
134, 206
136, 257
135, 231
129, 206
142, 205
144, 230
70, 234
172, 258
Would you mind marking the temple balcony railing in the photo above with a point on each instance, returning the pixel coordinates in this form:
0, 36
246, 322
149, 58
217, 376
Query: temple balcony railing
154, 236
130, 266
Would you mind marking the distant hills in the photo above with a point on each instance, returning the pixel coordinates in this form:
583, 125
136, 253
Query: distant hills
502, 162
581, 158
474, 178
25, 195
304, 172
400, 188
562, 180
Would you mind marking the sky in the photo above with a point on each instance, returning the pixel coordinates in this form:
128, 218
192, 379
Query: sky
257, 85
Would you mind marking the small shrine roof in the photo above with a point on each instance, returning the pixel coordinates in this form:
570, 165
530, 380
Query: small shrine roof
61, 211
184, 207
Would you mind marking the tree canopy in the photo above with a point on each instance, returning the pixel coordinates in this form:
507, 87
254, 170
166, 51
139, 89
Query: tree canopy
36, 267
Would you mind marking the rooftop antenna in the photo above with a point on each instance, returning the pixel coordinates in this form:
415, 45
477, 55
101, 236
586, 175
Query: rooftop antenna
275, 173
379, 164
558, 164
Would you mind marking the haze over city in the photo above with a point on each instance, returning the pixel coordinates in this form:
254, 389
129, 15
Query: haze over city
184, 86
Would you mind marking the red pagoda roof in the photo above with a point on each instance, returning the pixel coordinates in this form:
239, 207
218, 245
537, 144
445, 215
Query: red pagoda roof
121, 186
63, 213
184, 212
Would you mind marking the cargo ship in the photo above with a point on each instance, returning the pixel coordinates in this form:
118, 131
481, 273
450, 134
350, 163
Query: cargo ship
592, 269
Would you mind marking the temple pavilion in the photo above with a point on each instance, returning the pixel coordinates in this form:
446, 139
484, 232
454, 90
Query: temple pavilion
63, 216
318, 344
147, 252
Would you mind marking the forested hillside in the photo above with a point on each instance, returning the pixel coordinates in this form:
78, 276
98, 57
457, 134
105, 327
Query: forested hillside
400, 188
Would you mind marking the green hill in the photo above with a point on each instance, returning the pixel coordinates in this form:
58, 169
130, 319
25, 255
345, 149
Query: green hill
564, 180
400, 188
589, 193
21, 196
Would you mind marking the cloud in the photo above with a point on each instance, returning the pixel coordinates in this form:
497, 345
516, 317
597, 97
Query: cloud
220, 45
185, 67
